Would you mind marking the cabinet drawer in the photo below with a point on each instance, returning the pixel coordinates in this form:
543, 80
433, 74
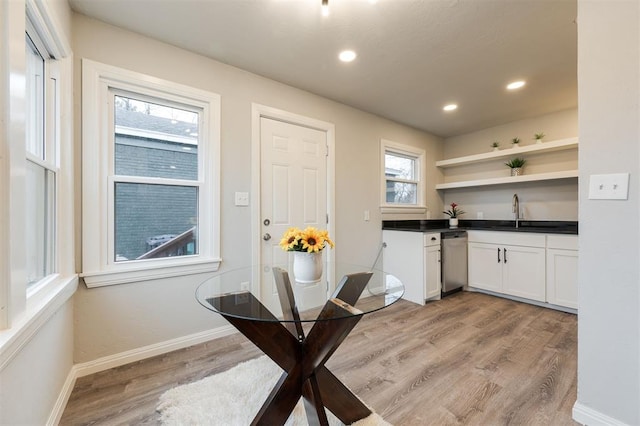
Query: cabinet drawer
508, 238
564, 242
432, 239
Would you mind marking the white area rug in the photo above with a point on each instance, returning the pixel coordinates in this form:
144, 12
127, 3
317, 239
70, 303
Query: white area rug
233, 398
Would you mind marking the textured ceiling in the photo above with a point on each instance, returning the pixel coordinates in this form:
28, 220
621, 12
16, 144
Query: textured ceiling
413, 56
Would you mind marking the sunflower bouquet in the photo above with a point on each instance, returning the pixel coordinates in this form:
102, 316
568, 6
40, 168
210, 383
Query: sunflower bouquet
310, 239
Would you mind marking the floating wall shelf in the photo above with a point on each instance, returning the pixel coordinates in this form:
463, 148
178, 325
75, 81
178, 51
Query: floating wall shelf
565, 174
559, 145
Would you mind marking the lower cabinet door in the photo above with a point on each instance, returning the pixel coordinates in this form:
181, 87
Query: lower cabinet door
562, 277
524, 272
485, 266
433, 274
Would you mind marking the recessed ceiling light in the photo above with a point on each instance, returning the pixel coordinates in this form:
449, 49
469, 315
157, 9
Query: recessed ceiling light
516, 85
347, 55
450, 107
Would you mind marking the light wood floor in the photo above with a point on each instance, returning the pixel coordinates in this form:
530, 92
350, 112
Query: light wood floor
470, 359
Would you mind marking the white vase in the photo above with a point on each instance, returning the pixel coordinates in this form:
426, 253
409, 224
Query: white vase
515, 145
538, 140
307, 267
453, 222
495, 148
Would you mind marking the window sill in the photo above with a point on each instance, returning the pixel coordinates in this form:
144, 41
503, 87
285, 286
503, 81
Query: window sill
38, 312
105, 278
403, 209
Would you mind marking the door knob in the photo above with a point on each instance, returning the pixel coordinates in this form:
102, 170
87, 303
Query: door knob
266, 237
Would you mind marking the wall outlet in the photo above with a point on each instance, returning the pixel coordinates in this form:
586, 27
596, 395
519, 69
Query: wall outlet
366, 216
245, 286
480, 215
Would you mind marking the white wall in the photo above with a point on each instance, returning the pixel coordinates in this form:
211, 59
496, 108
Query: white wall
119, 318
31, 383
609, 303
546, 200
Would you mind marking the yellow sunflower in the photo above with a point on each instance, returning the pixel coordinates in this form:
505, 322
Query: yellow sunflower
312, 240
324, 235
290, 239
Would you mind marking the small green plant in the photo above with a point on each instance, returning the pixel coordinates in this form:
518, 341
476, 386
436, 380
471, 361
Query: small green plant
515, 163
495, 144
538, 136
515, 141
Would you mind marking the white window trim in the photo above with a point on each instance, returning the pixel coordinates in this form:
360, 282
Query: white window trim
419, 155
98, 271
24, 311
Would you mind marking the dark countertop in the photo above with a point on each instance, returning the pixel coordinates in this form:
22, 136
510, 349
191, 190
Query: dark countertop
441, 225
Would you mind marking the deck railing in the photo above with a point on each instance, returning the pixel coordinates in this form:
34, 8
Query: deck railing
178, 246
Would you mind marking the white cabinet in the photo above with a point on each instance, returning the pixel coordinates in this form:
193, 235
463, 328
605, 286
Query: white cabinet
485, 271
509, 263
562, 270
524, 272
414, 258
433, 270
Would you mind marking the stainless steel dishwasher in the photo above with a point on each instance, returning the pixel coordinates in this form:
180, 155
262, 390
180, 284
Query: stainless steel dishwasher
454, 261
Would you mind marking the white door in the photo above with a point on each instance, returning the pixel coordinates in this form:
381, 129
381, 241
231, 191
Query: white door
293, 190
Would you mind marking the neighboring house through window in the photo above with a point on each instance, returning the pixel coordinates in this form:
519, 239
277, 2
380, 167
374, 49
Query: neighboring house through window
402, 177
158, 179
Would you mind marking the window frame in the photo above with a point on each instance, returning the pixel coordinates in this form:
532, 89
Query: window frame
24, 309
99, 83
50, 161
416, 154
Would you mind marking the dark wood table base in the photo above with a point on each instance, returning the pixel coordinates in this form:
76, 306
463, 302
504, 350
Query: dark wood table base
303, 358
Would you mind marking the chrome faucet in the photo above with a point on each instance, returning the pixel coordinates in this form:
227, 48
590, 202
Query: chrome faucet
515, 208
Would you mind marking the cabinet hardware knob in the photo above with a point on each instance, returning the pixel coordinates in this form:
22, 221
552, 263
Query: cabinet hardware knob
266, 237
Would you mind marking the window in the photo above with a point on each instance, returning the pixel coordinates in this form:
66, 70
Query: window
41, 163
155, 165
402, 177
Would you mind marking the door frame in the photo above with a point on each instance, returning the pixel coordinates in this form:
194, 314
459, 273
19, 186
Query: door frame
258, 112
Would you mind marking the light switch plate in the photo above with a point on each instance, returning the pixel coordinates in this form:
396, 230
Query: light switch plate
242, 198
614, 186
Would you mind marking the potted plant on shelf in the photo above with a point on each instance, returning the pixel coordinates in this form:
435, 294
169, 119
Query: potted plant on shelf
538, 137
307, 246
516, 165
495, 145
453, 214
515, 142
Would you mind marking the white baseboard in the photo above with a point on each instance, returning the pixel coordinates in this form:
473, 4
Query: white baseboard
111, 361
63, 398
116, 360
588, 416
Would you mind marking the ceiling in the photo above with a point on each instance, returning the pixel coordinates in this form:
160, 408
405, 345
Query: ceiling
414, 56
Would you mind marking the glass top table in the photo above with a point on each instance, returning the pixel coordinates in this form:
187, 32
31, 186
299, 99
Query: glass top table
254, 292
268, 306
